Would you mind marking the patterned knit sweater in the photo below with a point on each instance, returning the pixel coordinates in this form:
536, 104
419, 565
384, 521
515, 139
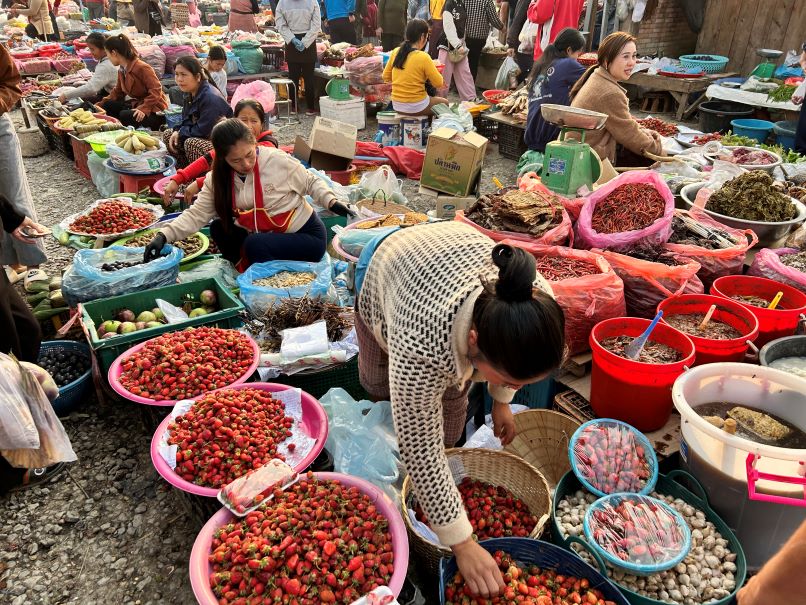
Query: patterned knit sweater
417, 298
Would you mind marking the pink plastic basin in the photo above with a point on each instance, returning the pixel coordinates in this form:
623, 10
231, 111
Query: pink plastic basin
115, 371
200, 568
314, 424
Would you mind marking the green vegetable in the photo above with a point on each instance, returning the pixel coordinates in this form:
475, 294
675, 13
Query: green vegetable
782, 94
35, 299
35, 287
56, 299
788, 156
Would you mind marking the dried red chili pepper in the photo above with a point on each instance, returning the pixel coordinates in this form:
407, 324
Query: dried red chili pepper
557, 268
629, 207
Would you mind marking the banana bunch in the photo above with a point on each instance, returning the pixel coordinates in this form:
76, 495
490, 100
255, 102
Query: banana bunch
515, 103
136, 142
79, 117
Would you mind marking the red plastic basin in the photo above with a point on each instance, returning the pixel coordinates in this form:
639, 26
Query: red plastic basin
772, 323
342, 176
637, 393
729, 312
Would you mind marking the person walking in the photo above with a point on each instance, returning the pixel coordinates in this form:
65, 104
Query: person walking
392, 23
435, 8
797, 99
481, 17
96, 8
339, 16
453, 51
525, 60
299, 22
147, 17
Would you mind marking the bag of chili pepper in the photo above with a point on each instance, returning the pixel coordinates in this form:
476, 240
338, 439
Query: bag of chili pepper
634, 208
714, 261
772, 265
584, 285
647, 283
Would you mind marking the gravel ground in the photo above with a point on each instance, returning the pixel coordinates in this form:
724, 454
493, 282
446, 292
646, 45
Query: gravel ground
109, 529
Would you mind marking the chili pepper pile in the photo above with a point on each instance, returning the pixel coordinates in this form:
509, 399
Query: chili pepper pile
531, 585
638, 530
183, 365
611, 459
315, 542
629, 207
662, 128
494, 512
112, 217
557, 268
228, 433
702, 139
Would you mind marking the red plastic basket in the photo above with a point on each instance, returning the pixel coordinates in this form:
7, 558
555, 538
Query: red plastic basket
80, 150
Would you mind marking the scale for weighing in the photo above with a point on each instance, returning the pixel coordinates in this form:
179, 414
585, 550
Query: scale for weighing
766, 69
570, 163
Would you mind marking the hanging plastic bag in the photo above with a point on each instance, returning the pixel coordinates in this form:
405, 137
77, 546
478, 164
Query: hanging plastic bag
527, 37
260, 298
503, 80
585, 300
721, 261
17, 428
84, 280
656, 233
646, 284
768, 264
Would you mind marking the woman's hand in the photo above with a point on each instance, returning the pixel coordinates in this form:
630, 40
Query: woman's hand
511, 52
168, 195
478, 568
797, 99
28, 225
503, 422
139, 115
62, 99
191, 191
173, 142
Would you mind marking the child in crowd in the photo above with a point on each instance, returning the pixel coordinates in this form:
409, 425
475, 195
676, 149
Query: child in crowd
216, 66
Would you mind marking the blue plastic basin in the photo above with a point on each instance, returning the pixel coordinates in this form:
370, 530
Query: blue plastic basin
755, 129
785, 133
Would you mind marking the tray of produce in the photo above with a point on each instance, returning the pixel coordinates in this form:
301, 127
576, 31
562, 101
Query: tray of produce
112, 218
193, 245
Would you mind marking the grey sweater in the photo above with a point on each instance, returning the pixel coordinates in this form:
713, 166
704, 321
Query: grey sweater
295, 17
103, 81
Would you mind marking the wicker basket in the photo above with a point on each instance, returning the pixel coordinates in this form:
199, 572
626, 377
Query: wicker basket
380, 205
541, 438
493, 467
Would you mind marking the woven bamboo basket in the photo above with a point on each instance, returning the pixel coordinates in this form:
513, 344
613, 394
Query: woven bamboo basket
380, 205
493, 467
541, 438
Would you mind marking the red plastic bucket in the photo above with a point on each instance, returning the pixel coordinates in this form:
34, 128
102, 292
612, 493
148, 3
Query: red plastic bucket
772, 324
637, 393
729, 312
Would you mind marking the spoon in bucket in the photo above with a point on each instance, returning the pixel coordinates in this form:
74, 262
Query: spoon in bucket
706, 319
634, 349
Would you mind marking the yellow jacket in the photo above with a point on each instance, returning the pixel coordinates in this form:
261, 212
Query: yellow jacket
408, 84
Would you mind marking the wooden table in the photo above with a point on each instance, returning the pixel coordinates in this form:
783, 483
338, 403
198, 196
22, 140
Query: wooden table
503, 118
679, 88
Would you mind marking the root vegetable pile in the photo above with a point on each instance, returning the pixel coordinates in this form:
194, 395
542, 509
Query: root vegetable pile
494, 512
629, 207
112, 217
530, 585
183, 365
228, 433
557, 268
653, 352
690, 324
316, 542
663, 128
611, 459
286, 279
706, 574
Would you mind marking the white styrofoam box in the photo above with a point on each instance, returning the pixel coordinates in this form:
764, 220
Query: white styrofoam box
352, 111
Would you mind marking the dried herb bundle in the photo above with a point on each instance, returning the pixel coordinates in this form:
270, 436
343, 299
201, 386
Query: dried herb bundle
298, 312
752, 197
518, 211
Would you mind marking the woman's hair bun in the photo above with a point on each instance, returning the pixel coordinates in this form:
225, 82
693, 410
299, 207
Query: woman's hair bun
516, 273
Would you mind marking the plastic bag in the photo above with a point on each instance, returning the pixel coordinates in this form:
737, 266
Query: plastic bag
219, 268
768, 264
250, 55
84, 280
145, 161
646, 284
53, 444
17, 428
716, 263
381, 180
172, 53
365, 71
527, 37
259, 298
456, 117
504, 78
585, 300
304, 341
656, 233
258, 90
362, 439
155, 57
105, 180
233, 65
560, 235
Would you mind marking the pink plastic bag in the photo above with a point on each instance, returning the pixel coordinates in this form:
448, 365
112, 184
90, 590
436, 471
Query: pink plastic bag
531, 182
155, 57
656, 233
768, 264
646, 284
716, 263
172, 53
560, 235
258, 90
585, 300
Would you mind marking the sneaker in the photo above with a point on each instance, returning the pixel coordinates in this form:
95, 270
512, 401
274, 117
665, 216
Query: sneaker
35, 476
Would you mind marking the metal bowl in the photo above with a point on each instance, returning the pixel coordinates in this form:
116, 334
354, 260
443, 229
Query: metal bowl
768, 233
788, 346
765, 167
562, 115
769, 53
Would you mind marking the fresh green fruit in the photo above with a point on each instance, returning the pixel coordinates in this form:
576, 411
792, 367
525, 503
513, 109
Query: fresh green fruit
146, 316
125, 315
158, 314
208, 298
153, 324
111, 325
197, 312
127, 327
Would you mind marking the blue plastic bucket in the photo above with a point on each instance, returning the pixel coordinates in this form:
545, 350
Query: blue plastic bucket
785, 133
755, 129
389, 126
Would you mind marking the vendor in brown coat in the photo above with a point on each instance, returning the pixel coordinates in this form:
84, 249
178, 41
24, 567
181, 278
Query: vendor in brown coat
599, 90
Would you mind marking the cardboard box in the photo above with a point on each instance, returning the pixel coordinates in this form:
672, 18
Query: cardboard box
445, 206
331, 145
352, 111
453, 161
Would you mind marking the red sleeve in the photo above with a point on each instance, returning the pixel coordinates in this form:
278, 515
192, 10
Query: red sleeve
540, 11
200, 182
195, 170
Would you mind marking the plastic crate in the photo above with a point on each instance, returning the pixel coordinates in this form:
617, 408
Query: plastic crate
486, 128
44, 128
332, 221
510, 141
63, 144
97, 311
80, 150
319, 382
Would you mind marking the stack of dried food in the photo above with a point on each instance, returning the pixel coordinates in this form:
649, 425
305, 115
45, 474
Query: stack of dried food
394, 220
655, 255
529, 212
752, 197
689, 232
286, 279
356, 53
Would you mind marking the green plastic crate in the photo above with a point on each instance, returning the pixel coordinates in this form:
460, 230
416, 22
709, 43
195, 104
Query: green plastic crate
317, 383
95, 312
330, 221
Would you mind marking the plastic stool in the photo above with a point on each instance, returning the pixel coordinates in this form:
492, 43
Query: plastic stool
287, 103
133, 183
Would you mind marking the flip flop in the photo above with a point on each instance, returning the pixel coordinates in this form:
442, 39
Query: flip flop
35, 275
35, 476
13, 276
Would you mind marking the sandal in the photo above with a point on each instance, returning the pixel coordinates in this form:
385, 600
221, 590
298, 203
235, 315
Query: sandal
12, 275
35, 476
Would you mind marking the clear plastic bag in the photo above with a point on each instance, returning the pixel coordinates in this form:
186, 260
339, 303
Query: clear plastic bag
145, 161
84, 280
219, 268
17, 428
768, 264
504, 78
105, 180
259, 298
383, 180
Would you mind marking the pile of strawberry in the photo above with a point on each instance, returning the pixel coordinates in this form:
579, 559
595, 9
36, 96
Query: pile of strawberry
113, 217
494, 512
611, 460
183, 365
316, 542
530, 585
228, 433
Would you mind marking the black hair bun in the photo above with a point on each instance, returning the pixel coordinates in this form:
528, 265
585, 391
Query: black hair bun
516, 273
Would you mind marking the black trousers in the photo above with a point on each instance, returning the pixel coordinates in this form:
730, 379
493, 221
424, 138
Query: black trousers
390, 41
474, 46
304, 70
122, 110
800, 133
19, 330
341, 30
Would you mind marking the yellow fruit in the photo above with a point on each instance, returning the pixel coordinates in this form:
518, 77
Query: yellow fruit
121, 139
146, 139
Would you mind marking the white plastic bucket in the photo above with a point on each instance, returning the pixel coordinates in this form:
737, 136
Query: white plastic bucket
764, 512
414, 131
389, 125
